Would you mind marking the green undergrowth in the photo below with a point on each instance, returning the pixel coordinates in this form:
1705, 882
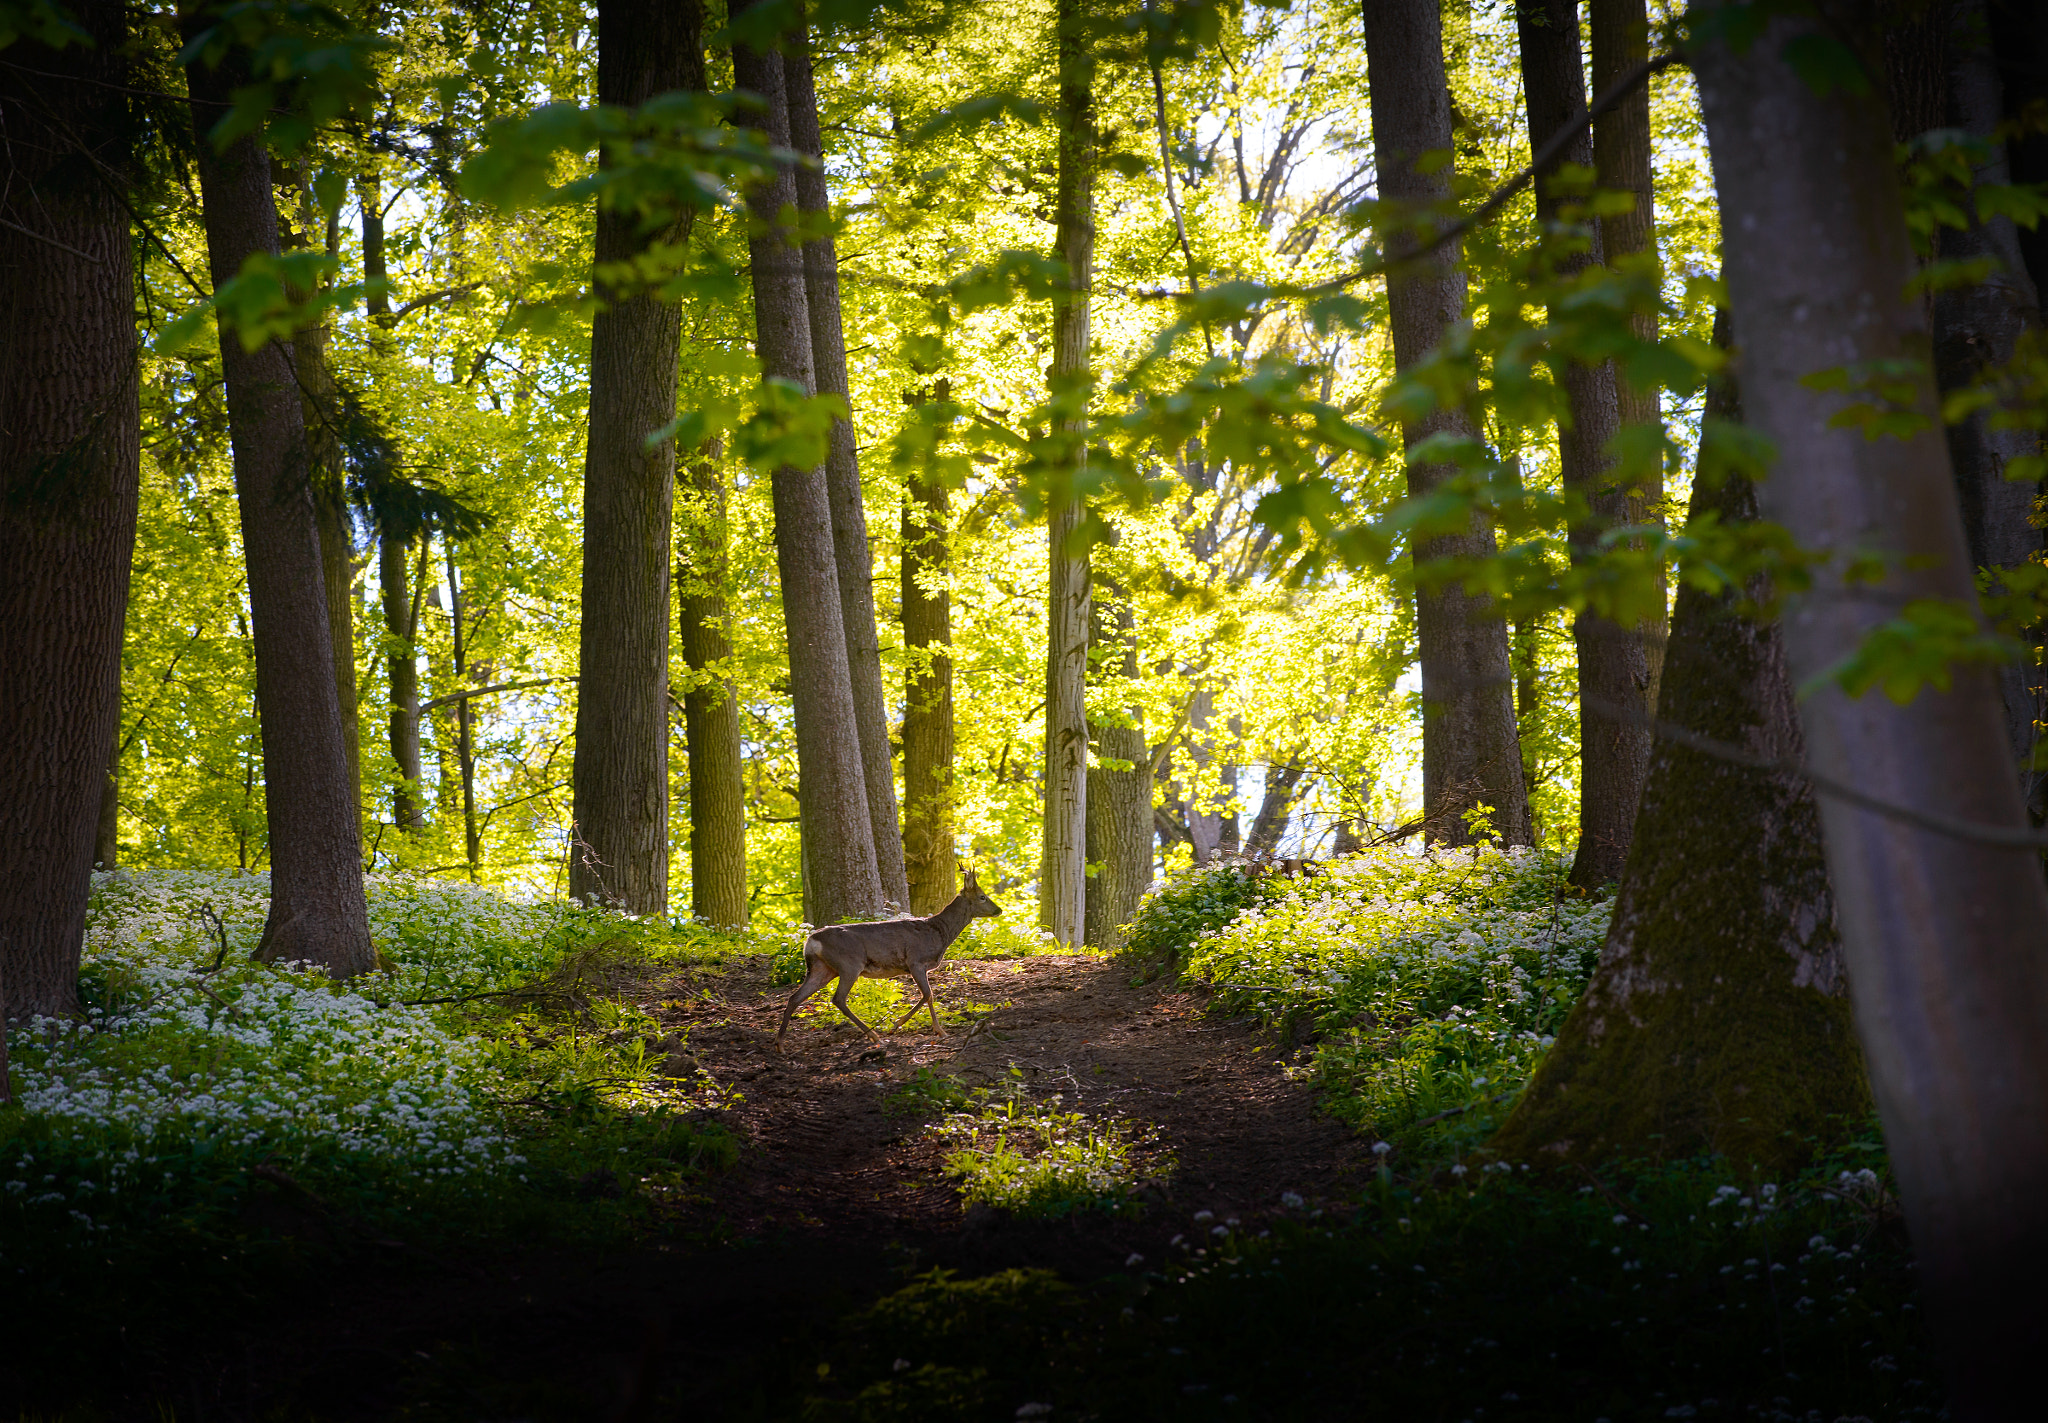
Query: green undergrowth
1675, 1293
1428, 984
208, 1118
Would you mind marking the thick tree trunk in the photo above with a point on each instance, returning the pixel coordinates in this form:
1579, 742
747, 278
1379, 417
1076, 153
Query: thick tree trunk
1946, 938
1062, 883
1979, 326
928, 849
401, 631
1470, 754
2019, 41
711, 709
851, 554
1622, 162
106, 840
1119, 809
645, 48
317, 912
69, 466
838, 836
1614, 669
1718, 1019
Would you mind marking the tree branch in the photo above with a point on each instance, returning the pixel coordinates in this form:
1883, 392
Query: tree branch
426, 707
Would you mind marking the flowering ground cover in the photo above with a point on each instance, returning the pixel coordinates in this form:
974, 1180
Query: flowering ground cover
1431, 981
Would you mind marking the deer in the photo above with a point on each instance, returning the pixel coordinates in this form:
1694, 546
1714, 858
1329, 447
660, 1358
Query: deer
887, 948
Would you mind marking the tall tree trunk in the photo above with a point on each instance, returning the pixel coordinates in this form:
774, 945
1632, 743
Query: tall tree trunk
1063, 877
1979, 326
106, 841
1946, 939
317, 911
1470, 755
851, 554
1614, 669
645, 48
465, 733
838, 837
1205, 826
401, 633
1119, 807
70, 461
1622, 162
1718, 1019
711, 709
927, 697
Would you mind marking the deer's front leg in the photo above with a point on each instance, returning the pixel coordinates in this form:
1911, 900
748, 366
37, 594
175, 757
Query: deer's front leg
846, 982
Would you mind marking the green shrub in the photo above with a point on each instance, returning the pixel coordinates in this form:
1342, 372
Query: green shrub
1034, 1159
1436, 980
1175, 915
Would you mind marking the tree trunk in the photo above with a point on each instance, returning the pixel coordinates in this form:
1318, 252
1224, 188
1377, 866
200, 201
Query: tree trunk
1283, 783
1946, 939
465, 735
1205, 826
106, 842
1622, 162
1614, 672
839, 850
70, 461
1979, 326
851, 554
317, 911
401, 632
927, 698
711, 709
2019, 41
645, 48
1718, 1019
1119, 804
1470, 754
1062, 885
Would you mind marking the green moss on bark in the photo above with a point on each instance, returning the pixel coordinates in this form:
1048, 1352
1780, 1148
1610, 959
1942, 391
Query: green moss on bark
1718, 1019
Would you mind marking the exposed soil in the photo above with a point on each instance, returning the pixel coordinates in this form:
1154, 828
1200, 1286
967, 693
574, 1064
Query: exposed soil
829, 1152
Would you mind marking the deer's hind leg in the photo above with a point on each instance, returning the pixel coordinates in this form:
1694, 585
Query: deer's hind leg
821, 973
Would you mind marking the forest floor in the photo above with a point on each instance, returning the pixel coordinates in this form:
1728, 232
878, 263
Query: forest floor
836, 1199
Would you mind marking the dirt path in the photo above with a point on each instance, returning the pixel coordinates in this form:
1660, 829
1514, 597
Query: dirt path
829, 1152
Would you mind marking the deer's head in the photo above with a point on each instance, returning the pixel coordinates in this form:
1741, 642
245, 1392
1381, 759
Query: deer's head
979, 905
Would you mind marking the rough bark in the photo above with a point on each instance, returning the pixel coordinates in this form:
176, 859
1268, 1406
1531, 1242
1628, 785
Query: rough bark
1470, 754
69, 465
1614, 670
317, 911
1946, 938
928, 849
1718, 1019
1205, 826
2019, 43
838, 845
401, 631
1977, 327
645, 48
711, 709
1062, 883
106, 840
851, 554
1622, 162
1119, 808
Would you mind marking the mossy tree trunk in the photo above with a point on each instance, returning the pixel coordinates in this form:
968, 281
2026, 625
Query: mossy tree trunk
1718, 1019
1119, 780
711, 711
927, 611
